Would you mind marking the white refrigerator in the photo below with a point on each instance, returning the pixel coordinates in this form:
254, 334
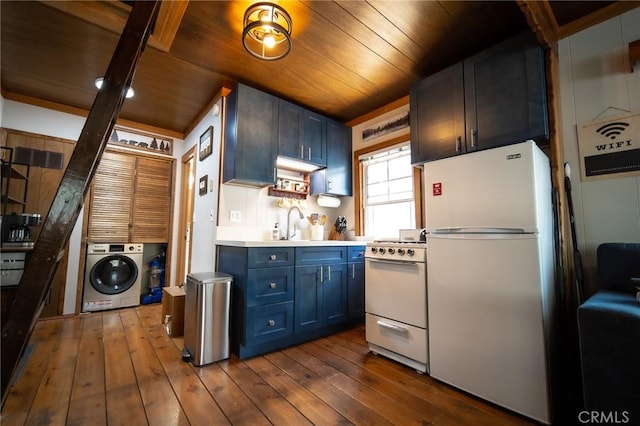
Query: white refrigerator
490, 275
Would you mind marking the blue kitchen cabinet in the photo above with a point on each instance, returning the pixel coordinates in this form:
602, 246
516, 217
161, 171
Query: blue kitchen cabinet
302, 134
336, 179
283, 296
494, 98
321, 287
320, 296
355, 282
262, 297
251, 137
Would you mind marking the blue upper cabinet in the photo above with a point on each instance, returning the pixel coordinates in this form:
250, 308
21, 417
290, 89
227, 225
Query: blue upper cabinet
494, 98
302, 134
251, 137
336, 178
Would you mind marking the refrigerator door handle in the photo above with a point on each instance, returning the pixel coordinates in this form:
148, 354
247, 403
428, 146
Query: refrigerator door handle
463, 230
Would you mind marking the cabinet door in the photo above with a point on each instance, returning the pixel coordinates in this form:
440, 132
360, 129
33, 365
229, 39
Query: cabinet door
290, 130
301, 134
334, 293
437, 116
152, 201
314, 137
111, 199
505, 94
308, 298
336, 178
355, 296
251, 136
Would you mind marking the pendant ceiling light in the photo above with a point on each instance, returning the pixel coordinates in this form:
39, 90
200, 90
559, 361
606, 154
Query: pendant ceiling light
267, 31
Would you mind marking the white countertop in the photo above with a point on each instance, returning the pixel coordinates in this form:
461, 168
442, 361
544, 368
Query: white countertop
289, 243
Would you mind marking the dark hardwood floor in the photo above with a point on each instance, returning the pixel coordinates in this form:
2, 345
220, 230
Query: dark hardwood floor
120, 367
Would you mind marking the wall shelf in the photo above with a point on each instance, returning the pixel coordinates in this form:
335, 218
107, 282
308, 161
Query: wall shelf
275, 192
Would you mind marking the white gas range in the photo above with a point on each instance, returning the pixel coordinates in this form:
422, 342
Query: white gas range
396, 301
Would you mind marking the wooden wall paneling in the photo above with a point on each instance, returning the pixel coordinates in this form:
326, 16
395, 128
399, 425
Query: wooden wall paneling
17, 188
34, 141
41, 188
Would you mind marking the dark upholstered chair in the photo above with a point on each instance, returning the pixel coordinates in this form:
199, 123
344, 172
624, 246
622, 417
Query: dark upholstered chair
609, 327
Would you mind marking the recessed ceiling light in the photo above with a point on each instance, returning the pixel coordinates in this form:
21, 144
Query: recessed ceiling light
130, 91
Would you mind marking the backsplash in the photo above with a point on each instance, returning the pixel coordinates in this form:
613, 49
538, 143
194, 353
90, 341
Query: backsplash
247, 213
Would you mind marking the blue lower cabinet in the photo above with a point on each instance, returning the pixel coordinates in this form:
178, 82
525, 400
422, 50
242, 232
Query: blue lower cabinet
320, 296
283, 296
355, 290
355, 278
269, 322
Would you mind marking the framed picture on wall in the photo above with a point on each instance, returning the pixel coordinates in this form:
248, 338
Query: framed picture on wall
202, 186
206, 143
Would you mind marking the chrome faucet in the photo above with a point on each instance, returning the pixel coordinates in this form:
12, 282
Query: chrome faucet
289, 235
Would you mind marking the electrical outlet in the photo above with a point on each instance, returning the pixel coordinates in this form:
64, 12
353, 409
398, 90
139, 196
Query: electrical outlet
235, 216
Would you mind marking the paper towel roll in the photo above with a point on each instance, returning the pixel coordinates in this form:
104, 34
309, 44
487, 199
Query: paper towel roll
328, 201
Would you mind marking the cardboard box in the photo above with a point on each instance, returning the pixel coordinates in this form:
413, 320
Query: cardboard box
173, 305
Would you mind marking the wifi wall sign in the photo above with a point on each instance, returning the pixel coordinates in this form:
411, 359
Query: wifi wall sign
613, 130
610, 146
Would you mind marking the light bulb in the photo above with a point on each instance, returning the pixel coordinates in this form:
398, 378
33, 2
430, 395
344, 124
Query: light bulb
130, 91
269, 41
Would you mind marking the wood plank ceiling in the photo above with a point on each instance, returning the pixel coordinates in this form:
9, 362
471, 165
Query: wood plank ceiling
348, 57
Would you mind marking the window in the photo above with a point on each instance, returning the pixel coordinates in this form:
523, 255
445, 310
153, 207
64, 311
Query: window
388, 199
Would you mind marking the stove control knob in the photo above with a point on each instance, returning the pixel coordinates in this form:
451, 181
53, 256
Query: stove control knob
382, 250
392, 250
401, 251
411, 252
374, 250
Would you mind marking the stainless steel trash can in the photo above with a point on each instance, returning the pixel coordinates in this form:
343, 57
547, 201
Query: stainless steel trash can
206, 318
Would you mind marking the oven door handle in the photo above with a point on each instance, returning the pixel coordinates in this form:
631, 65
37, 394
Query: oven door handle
392, 262
393, 327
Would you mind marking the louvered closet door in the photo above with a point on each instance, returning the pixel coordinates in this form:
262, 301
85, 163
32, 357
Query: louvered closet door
111, 196
152, 201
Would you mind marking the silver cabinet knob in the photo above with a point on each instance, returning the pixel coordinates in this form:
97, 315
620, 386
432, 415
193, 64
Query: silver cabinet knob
272, 285
273, 257
271, 323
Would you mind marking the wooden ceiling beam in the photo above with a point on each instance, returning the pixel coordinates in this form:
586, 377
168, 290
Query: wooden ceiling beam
542, 21
112, 16
62, 216
608, 12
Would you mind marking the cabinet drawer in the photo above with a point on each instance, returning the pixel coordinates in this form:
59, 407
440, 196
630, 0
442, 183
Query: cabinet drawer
269, 322
320, 255
270, 256
355, 253
269, 285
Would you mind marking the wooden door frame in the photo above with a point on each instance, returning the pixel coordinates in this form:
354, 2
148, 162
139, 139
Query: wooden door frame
187, 184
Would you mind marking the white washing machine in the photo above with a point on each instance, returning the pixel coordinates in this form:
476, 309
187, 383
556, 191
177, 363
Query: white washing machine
112, 276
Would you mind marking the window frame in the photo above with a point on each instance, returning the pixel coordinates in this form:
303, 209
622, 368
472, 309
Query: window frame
358, 179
